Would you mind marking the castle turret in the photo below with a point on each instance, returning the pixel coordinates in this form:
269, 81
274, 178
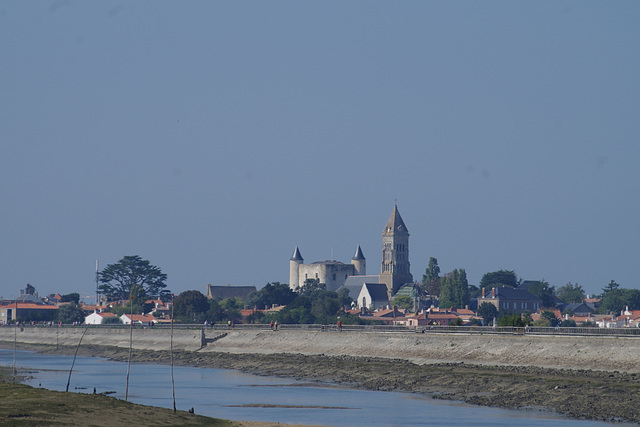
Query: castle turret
359, 263
294, 269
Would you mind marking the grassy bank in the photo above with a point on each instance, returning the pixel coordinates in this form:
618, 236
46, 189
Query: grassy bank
21, 405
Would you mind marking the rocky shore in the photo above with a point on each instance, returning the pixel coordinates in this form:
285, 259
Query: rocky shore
577, 393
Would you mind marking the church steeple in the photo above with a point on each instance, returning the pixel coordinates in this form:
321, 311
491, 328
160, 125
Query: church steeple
395, 223
395, 269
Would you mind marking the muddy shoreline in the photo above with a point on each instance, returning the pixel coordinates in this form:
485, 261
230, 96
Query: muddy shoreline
576, 393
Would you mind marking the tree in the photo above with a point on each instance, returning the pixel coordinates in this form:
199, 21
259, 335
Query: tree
133, 276
231, 308
72, 297
512, 320
474, 292
310, 286
112, 320
325, 306
550, 317
70, 313
190, 304
403, 301
500, 277
431, 278
454, 290
343, 298
488, 312
544, 291
570, 293
617, 299
272, 293
612, 285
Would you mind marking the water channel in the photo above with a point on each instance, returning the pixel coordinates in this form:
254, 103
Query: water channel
225, 394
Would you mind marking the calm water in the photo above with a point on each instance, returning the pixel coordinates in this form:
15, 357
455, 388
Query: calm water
211, 392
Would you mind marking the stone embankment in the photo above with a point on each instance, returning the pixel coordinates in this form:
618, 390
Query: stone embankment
143, 338
601, 353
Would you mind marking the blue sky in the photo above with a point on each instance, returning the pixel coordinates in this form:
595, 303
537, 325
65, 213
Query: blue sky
211, 138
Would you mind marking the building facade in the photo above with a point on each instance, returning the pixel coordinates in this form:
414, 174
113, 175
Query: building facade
331, 272
507, 299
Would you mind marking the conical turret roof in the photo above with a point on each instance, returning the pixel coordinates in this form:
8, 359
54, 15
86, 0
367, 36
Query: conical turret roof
296, 255
359, 255
395, 223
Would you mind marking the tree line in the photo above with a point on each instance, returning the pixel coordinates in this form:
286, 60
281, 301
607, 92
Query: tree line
453, 290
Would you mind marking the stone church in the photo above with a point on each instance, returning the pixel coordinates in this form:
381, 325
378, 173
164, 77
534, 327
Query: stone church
395, 269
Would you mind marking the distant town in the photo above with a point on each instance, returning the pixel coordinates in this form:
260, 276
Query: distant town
133, 291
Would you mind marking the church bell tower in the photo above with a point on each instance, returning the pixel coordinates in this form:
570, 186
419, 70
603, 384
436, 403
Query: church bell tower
395, 269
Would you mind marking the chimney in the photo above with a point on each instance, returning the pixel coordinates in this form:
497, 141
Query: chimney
493, 292
483, 292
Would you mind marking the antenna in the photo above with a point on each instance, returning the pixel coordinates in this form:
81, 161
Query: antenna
97, 281
331, 254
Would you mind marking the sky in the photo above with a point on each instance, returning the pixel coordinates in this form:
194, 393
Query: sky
212, 137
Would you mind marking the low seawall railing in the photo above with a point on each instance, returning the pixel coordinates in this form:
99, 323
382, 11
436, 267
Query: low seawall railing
480, 330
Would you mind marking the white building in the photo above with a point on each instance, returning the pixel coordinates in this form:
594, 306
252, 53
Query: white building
97, 318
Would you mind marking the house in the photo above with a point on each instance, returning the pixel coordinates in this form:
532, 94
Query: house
96, 318
224, 292
593, 303
24, 311
390, 316
464, 313
582, 320
138, 319
417, 320
353, 284
373, 296
440, 319
579, 309
161, 310
508, 299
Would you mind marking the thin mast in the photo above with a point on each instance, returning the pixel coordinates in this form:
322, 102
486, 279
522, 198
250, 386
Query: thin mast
97, 281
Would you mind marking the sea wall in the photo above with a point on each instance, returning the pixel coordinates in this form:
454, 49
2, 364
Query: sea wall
605, 353
143, 338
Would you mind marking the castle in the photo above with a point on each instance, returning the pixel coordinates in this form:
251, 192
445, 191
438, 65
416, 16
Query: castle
395, 268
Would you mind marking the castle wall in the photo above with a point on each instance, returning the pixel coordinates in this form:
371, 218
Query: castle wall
332, 274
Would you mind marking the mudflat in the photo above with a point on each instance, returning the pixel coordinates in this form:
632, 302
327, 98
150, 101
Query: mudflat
578, 393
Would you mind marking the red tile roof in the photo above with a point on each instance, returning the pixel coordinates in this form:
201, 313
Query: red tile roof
30, 306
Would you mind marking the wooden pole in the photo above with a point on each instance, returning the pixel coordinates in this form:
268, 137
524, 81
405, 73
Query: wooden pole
76, 355
126, 393
173, 386
15, 342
